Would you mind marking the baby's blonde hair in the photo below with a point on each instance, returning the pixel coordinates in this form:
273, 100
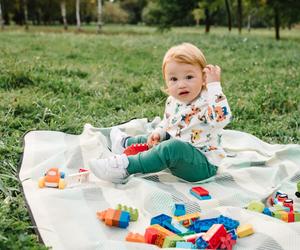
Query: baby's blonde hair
184, 53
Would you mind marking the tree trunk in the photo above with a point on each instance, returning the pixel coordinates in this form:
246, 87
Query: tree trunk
1, 18
240, 15
277, 23
228, 14
249, 23
207, 20
64, 14
99, 16
25, 14
78, 15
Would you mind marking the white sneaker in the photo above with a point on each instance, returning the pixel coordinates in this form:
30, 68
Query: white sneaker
111, 169
117, 138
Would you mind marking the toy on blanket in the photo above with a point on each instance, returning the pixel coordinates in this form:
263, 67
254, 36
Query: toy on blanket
213, 233
134, 213
136, 148
78, 178
200, 193
298, 190
53, 178
281, 207
113, 217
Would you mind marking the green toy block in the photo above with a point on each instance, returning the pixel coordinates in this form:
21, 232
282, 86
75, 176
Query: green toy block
297, 215
170, 241
278, 215
134, 214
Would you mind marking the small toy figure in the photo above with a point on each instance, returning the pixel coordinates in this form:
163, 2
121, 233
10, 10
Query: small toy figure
53, 178
298, 190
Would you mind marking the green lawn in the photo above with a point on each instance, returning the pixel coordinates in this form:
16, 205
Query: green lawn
60, 81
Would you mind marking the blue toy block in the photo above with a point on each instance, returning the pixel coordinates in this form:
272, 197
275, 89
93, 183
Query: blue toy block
170, 227
180, 227
179, 209
233, 234
267, 211
228, 222
124, 219
160, 219
188, 245
203, 225
206, 197
200, 243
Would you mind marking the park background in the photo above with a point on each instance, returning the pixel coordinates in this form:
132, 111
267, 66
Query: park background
66, 63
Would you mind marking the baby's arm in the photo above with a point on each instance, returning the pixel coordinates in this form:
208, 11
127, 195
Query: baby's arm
218, 113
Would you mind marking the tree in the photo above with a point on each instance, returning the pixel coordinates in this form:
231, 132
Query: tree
1, 18
25, 14
78, 15
198, 14
134, 8
239, 15
64, 13
228, 11
99, 16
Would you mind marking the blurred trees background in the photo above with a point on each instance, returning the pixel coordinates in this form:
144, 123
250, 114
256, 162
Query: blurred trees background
161, 13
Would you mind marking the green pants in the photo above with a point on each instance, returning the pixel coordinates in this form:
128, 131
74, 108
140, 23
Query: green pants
183, 160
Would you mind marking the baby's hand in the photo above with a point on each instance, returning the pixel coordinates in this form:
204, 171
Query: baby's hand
212, 73
153, 139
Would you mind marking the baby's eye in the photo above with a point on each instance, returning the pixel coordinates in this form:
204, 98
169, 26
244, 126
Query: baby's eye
173, 79
189, 77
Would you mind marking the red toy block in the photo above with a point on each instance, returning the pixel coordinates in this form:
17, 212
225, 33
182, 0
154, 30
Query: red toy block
160, 240
213, 235
291, 216
227, 242
135, 149
200, 191
151, 235
135, 237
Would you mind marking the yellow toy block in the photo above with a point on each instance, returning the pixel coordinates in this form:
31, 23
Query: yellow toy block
187, 217
244, 230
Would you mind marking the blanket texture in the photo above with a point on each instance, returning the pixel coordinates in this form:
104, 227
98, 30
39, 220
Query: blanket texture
66, 219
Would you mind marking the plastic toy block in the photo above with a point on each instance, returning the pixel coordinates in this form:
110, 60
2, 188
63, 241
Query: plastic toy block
200, 197
187, 245
134, 214
289, 204
200, 191
203, 225
109, 217
213, 235
233, 234
116, 218
227, 242
201, 243
135, 149
244, 230
101, 215
151, 235
228, 222
296, 215
170, 227
124, 219
160, 219
291, 217
267, 211
161, 229
193, 237
256, 206
135, 237
179, 209
170, 241
187, 217
180, 227
160, 240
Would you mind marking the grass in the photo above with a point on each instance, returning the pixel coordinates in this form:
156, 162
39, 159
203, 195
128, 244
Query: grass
60, 81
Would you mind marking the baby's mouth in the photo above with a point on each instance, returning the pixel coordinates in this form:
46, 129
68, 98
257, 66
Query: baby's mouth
184, 93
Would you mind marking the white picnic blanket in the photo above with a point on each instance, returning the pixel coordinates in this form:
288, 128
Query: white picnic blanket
66, 219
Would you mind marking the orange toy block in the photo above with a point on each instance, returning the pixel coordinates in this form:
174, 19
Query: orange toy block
135, 237
116, 218
101, 215
151, 235
109, 216
162, 230
160, 240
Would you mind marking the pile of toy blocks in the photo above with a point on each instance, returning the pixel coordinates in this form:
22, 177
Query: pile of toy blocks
281, 207
189, 231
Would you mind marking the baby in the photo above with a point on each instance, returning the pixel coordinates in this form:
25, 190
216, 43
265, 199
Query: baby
188, 139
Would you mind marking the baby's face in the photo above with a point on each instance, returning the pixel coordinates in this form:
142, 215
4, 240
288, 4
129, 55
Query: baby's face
184, 81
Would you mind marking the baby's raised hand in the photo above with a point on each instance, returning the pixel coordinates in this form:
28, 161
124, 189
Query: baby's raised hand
153, 139
212, 73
